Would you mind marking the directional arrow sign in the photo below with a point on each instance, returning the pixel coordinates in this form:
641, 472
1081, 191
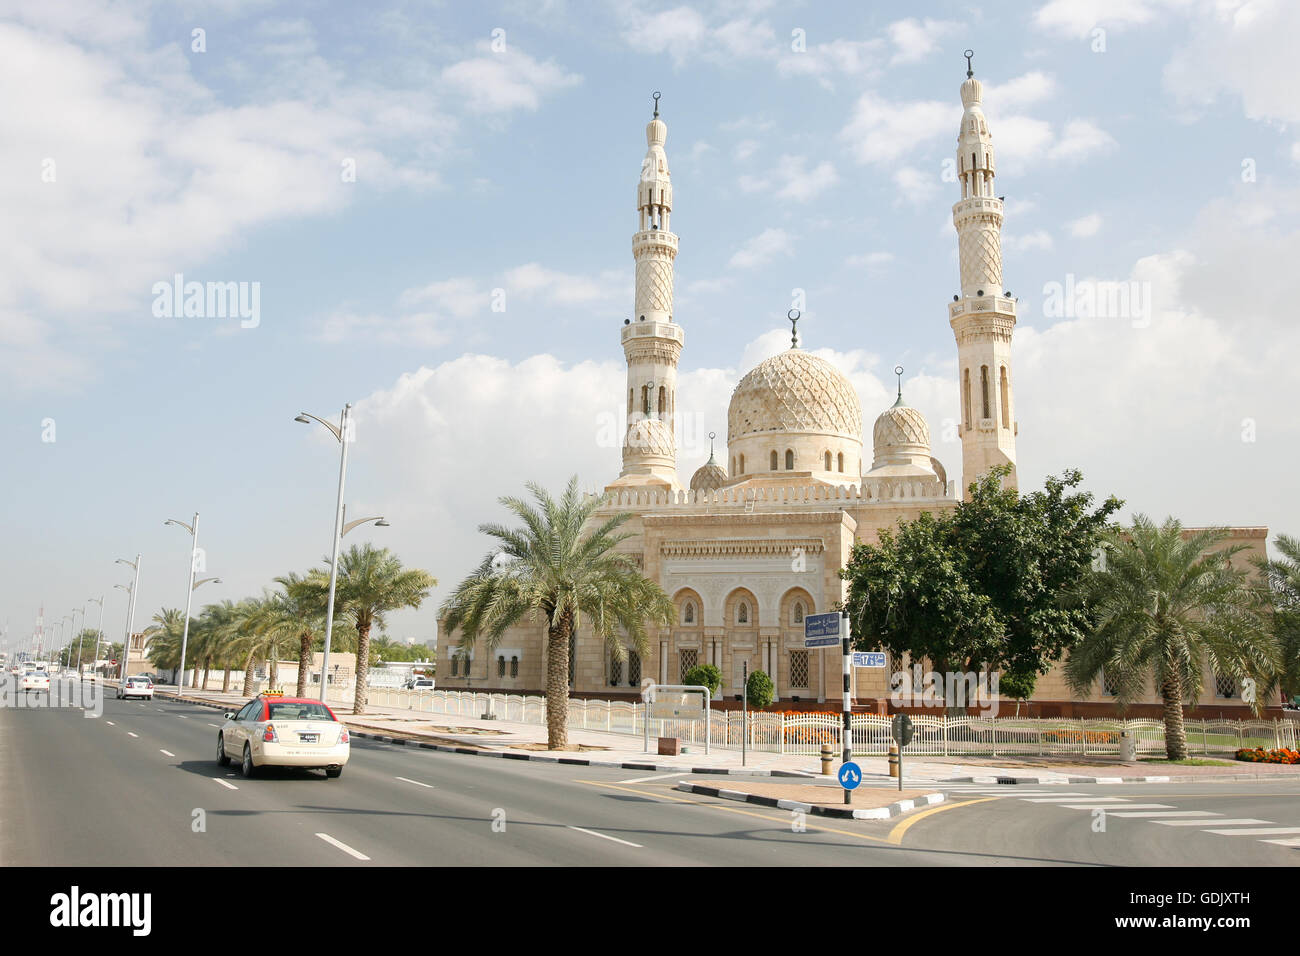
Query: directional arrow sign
850, 775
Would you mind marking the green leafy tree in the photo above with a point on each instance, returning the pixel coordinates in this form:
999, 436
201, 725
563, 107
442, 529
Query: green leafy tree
372, 582
1281, 593
300, 612
1168, 602
759, 689
705, 675
163, 638
982, 584
560, 567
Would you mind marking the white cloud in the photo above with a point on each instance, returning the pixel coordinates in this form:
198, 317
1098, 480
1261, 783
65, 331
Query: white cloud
1079, 17
916, 39
871, 261
762, 249
792, 179
1085, 226
1022, 91
853, 58
1039, 239
880, 131
916, 187
505, 81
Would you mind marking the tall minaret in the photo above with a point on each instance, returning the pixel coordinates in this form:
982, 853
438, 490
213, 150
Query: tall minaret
652, 341
983, 316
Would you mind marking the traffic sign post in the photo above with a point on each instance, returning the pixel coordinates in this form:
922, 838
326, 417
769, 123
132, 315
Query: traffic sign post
850, 777
901, 729
827, 630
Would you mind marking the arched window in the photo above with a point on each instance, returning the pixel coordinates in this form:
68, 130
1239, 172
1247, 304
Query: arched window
742, 613
1006, 405
828, 462
742, 465
772, 466
633, 668
615, 669
798, 612
789, 460
965, 397
514, 667
501, 666
455, 666
645, 400
663, 400
629, 401
984, 389
733, 465
688, 616
841, 458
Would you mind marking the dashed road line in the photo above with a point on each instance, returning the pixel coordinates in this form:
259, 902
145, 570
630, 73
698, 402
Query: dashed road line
1256, 831
129, 734
342, 846
606, 836
417, 783
1164, 813
228, 786
167, 752
1218, 823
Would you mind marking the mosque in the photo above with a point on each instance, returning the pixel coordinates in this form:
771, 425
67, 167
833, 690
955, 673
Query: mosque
755, 541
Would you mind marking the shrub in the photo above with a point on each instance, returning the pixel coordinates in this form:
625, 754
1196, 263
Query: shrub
705, 675
1260, 755
759, 689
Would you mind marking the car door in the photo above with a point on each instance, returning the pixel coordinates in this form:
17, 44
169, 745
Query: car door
236, 731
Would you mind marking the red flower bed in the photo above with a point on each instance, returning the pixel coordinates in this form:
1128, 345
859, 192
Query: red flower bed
1260, 755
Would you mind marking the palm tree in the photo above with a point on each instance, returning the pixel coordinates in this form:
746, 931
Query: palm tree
303, 613
1165, 604
371, 582
1282, 595
210, 637
551, 571
163, 638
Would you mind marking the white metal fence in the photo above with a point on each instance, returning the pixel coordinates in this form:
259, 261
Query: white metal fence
805, 733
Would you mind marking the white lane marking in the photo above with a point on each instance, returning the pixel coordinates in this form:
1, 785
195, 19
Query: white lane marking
110, 723
160, 710
1294, 841
1108, 807
417, 783
1256, 831
1075, 799
214, 725
342, 846
182, 717
1164, 813
129, 734
606, 836
1201, 823
229, 786
658, 776
167, 752
1017, 792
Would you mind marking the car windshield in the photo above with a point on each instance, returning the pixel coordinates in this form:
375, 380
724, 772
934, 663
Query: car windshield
288, 711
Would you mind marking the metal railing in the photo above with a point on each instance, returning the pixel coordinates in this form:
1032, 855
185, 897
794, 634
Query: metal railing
805, 733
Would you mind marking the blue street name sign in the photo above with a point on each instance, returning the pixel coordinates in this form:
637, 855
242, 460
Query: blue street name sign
850, 775
821, 630
868, 658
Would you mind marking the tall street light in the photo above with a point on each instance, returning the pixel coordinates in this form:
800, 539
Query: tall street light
189, 592
130, 612
340, 432
99, 628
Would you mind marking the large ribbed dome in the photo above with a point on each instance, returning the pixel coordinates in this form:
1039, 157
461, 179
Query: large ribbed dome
794, 392
901, 428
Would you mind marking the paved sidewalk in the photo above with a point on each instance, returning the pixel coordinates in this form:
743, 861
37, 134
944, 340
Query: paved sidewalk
515, 740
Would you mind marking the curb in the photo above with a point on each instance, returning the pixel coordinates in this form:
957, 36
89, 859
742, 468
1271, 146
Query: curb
542, 757
1180, 778
898, 808
579, 761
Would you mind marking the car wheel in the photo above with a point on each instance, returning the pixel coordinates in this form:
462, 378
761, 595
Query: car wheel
333, 773
247, 768
222, 759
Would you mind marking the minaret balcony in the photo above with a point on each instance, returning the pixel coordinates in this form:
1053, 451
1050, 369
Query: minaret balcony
1000, 304
648, 329
654, 238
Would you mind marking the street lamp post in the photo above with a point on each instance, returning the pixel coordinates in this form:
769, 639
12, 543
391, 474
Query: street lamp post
341, 433
189, 592
99, 628
130, 612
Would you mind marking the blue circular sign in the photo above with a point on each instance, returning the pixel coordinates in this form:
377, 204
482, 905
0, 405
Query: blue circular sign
850, 775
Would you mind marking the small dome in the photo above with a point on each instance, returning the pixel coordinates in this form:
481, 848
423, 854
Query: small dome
901, 437
794, 392
709, 477
972, 92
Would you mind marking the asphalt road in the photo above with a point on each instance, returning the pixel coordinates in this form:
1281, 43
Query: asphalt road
130, 787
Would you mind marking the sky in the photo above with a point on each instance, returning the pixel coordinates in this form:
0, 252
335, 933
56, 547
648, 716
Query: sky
428, 208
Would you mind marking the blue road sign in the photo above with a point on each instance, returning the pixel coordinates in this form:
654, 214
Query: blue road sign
850, 775
821, 630
868, 659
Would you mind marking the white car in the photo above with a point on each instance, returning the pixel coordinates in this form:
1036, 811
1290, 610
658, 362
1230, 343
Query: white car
422, 683
284, 732
141, 687
34, 680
